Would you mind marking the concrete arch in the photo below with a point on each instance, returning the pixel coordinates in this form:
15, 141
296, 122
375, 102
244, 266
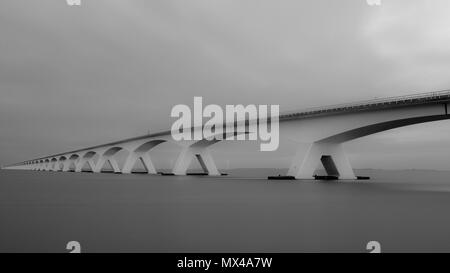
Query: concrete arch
379, 127
112, 151
108, 156
47, 164
147, 146
204, 143
89, 154
71, 161
74, 156
52, 163
86, 158
141, 153
200, 151
40, 165
55, 164
330, 152
63, 161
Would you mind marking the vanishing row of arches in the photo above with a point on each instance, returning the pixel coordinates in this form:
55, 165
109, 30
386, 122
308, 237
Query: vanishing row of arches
136, 154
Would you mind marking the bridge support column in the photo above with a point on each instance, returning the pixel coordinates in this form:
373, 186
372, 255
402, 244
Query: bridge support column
202, 154
58, 165
66, 165
101, 162
79, 165
145, 158
55, 166
81, 162
331, 155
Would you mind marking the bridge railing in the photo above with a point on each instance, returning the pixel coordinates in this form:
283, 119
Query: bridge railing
374, 103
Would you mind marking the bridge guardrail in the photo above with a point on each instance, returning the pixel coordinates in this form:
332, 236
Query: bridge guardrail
406, 99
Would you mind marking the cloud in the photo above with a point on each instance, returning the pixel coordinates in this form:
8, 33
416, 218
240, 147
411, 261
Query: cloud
413, 36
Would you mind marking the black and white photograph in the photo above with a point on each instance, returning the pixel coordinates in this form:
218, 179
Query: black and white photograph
248, 127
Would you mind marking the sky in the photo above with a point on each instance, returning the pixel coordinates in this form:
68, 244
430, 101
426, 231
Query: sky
77, 76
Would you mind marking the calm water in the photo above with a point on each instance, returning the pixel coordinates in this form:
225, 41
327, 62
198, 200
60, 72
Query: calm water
403, 210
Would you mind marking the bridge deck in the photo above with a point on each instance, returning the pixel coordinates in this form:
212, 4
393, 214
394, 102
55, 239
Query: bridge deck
368, 105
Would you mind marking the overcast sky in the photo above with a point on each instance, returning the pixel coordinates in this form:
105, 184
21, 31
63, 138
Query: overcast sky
72, 77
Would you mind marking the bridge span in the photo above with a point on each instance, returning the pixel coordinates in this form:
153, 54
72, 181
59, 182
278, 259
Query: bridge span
319, 132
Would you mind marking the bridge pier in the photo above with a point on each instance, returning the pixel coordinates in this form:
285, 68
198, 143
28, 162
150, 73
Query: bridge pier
331, 155
55, 165
102, 161
81, 162
202, 154
66, 165
144, 157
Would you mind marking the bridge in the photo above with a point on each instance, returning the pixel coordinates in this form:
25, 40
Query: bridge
319, 132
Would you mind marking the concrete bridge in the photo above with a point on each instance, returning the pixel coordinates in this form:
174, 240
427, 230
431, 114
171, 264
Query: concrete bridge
323, 130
